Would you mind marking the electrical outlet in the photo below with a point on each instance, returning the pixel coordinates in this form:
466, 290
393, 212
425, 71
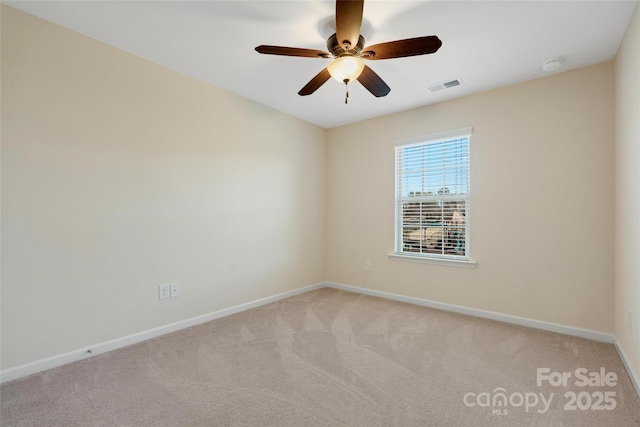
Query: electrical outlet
164, 291
630, 319
367, 266
175, 290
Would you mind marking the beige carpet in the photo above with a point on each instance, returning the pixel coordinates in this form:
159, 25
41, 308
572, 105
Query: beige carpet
332, 358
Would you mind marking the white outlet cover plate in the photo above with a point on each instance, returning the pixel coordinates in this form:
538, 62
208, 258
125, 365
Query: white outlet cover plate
164, 291
175, 290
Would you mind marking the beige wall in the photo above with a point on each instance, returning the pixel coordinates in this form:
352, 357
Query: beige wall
627, 184
541, 205
119, 175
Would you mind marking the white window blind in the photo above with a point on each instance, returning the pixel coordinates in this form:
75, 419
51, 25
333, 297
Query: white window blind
432, 197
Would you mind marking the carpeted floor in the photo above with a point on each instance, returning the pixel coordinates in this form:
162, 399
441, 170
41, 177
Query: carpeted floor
334, 358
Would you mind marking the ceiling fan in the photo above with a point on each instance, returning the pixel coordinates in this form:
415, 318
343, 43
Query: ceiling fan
346, 48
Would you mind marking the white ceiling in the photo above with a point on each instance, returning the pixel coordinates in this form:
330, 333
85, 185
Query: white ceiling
486, 44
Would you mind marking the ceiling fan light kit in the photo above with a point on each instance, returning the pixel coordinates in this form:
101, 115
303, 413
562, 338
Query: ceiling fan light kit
346, 47
346, 68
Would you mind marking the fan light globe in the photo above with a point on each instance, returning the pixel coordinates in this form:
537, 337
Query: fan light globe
346, 68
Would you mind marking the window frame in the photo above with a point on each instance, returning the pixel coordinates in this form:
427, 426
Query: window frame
441, 259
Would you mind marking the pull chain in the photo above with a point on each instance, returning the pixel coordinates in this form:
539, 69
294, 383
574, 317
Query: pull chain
346, 89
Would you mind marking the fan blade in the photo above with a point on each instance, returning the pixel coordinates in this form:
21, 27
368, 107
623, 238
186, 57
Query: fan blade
292, 51
373, 83
402, 48
315, 83
348, 21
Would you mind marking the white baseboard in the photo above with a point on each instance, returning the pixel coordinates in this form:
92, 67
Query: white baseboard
91, 350
521, 321
633, 375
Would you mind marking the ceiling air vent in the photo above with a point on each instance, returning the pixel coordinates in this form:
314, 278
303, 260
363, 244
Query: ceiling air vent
445, 85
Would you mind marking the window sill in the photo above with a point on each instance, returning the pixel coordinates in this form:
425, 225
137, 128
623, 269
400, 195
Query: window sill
436, 261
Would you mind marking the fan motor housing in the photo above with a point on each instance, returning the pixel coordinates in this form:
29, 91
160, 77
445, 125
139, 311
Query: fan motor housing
337, 50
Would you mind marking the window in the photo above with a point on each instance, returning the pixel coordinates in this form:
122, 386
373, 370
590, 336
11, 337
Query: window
432, 196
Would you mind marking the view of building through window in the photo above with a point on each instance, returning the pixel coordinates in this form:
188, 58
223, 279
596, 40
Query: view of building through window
433, 198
